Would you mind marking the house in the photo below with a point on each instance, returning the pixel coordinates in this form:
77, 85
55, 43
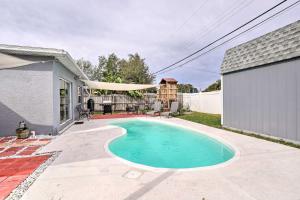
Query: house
167, 91
41, 86
261, 84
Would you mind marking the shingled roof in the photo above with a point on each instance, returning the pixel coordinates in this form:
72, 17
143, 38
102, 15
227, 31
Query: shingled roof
279, 45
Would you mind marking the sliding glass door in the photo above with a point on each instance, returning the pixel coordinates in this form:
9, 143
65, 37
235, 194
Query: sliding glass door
65, 101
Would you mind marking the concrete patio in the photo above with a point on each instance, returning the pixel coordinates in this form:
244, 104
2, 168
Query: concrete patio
84, 170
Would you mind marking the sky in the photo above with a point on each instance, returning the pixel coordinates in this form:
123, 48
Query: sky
161, 31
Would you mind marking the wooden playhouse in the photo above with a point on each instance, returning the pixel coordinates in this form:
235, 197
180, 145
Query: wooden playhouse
167, 92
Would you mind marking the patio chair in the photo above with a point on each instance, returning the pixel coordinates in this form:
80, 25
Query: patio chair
173, 110
157, 107
133, 109
83, 112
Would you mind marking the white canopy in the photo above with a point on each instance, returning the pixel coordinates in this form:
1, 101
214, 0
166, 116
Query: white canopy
117, 86
8, 61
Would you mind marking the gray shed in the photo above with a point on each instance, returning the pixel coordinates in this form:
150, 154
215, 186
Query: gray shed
40, 86
261, 84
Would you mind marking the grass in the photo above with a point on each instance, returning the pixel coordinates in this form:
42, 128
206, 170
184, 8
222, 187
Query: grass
215, 121
203, 118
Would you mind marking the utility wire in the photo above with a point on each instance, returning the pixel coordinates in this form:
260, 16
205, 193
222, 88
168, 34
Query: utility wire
223, 18
211, 27
254, 26
206, 71
194, 13
245, 24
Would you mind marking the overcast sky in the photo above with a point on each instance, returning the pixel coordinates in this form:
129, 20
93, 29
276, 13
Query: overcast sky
160, 31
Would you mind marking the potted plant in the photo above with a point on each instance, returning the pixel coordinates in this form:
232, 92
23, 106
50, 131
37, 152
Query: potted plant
23, 131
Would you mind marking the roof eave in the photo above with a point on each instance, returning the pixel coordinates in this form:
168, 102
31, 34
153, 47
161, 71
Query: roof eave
61, 55
77, 70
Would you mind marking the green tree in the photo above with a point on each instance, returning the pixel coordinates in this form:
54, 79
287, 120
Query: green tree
115, 70
86, 66
213, 87
97, 71
135, 70
187, 88
110, 68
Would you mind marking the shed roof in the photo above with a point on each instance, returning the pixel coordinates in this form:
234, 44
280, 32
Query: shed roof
279, 45
61, 55
168, 80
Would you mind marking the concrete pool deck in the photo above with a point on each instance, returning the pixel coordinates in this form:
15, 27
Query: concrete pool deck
84, 170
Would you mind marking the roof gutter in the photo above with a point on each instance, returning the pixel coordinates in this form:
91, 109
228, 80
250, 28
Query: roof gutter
83, 75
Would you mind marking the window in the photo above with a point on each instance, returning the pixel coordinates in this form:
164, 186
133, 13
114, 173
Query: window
65, 101
79, 91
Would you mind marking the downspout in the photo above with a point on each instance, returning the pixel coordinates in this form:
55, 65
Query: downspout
86, 88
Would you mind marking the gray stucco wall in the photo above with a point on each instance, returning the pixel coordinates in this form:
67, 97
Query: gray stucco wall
31, 93
264, 100
59, 71
26, 94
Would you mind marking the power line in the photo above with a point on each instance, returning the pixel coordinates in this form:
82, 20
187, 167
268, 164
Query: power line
238, 35
221, 19
245, 24
260, 23
188, 19
207, 71
194, 13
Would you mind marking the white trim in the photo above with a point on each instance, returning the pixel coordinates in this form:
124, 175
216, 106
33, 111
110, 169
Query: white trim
222, 100
156, 169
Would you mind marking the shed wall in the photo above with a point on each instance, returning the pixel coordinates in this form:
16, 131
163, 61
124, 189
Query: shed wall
264, 100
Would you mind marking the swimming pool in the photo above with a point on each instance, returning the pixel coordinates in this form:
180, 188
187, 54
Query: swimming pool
162, 145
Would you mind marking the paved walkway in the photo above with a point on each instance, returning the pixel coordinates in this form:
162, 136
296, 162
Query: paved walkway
17, 161
264, 171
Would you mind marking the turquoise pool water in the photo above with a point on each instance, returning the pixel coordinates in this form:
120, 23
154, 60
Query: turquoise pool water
165, 146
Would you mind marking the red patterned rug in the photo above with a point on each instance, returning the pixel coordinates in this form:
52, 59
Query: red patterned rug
18, 159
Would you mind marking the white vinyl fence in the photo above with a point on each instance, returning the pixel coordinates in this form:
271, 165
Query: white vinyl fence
206, 102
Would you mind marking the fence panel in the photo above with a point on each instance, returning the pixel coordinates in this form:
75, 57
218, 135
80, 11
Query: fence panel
121, 101
207, 102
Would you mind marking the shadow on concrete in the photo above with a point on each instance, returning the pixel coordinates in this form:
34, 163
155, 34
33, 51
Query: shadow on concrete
9, 121
149, 186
